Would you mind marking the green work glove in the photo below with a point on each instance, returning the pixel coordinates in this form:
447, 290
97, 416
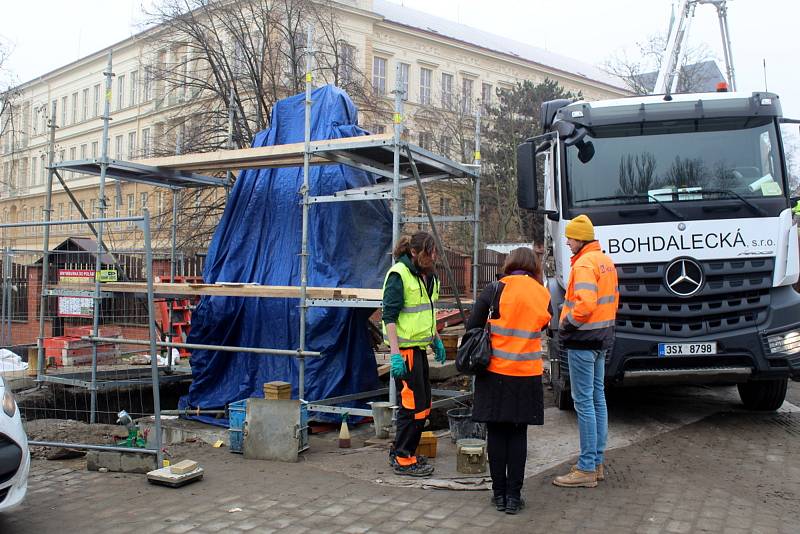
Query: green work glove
398, 369
438, 350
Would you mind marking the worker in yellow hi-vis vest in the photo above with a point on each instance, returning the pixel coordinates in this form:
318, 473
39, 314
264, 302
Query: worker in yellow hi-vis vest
410, 292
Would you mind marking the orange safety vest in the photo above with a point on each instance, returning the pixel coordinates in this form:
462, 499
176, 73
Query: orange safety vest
517, 334
592, 294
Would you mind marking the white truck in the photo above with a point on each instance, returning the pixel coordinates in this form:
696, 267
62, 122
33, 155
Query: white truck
689, 196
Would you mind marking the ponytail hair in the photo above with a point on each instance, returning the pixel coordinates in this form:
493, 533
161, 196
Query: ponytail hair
420, 242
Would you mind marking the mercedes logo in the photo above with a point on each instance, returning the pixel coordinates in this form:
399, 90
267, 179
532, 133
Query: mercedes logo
684, 277
681, 226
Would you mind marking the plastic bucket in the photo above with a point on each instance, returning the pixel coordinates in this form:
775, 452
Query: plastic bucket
382, 418
462, 426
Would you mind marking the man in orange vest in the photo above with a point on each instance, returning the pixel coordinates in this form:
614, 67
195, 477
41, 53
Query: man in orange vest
586, 331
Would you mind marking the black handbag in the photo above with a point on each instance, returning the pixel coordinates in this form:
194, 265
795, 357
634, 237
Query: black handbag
476, 346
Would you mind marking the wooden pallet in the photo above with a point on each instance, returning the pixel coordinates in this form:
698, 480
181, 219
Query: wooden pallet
234, 290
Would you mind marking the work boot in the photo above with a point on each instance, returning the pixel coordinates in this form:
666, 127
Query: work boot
601, 472
414, 470
514, 505
577, 479
421, 459
499, 502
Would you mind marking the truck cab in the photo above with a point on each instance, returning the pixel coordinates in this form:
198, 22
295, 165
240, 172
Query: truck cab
689, 197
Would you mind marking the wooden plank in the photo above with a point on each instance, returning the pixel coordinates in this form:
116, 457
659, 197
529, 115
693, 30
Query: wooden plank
234, 290
268, 156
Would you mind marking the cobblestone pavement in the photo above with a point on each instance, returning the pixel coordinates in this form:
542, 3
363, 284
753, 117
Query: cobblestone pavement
733, 472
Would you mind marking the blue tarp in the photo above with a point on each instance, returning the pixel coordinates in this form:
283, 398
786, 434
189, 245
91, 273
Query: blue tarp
258, 240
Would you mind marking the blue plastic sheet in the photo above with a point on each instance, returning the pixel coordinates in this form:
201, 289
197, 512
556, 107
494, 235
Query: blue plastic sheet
259, 240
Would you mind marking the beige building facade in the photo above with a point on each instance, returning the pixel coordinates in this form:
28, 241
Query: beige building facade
441, 64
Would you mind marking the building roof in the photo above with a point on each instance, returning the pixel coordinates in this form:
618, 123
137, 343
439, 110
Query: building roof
418, 19
704, 74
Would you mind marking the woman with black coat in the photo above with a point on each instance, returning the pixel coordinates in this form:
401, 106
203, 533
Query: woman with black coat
508, 394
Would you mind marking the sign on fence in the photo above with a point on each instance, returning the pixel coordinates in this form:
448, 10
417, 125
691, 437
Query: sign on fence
75, 306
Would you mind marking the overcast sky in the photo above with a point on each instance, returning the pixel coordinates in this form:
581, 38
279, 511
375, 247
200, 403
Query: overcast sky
49, 33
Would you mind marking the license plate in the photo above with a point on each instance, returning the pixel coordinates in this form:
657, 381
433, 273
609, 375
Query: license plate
687, 349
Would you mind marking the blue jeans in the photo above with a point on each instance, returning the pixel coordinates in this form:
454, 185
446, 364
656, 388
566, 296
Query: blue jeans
586, 373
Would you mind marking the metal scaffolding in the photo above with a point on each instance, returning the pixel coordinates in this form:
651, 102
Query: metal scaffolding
402, 164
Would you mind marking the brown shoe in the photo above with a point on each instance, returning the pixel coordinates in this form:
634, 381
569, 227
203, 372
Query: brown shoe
601, 473
577, 479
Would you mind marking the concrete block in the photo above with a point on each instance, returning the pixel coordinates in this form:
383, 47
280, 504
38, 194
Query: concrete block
442, 371
119, 462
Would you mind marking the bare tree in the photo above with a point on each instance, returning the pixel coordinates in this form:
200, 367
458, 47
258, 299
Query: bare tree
11, 132
686, 173
639, 69
210, 58
637, 174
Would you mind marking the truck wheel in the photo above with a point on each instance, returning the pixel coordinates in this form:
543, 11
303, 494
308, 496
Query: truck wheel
563, 396
561, 392
763, 395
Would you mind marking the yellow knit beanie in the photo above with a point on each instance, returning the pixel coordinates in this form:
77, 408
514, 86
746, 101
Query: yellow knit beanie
580, 228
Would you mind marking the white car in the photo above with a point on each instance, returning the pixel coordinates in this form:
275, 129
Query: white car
15, 458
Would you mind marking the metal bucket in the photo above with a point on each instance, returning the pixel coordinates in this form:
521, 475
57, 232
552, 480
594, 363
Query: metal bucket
462, 426
382, 419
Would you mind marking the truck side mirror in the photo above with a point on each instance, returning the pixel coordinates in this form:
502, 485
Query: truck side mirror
527, 195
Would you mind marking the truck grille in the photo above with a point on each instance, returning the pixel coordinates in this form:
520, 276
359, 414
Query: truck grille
735, 294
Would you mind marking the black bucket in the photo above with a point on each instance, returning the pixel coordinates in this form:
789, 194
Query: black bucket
462, 426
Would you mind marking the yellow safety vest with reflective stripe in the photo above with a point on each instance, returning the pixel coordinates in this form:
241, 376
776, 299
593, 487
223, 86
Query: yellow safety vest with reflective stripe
416, 324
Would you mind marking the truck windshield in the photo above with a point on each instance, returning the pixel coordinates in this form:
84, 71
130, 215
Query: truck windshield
677, 161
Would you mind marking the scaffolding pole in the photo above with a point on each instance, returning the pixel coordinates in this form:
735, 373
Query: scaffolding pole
397, 200
301, 364
51, 155
100, 227
476, 223
151, 325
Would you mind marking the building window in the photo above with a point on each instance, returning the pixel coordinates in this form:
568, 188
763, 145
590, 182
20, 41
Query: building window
132, 145
94, 149
134, 89
143, 201
118, 147
379, 75
96, 103
378, 128
486, 97
404, 70
425, 140
121, 91
85, 107
43, 169
346, 61
93, 207
84, 150
34, 174
147, 90
466, 96
146, 142
131, 207
160, 201
446, 147
74, 108
447, 91
63, 111
425, 76
118, 208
